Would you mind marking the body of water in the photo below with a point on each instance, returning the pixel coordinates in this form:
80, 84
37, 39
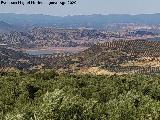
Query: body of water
50, 51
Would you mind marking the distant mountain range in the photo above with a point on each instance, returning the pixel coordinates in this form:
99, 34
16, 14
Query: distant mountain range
91, 21
8, 27
5, 27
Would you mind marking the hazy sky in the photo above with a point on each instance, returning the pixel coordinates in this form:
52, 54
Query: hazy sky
84, 7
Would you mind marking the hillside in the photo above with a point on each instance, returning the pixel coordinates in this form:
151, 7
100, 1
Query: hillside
49, 37
46, 95
10, 58
53, 37
116, 57
134, 56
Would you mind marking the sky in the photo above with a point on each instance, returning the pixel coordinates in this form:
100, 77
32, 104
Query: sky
84, 7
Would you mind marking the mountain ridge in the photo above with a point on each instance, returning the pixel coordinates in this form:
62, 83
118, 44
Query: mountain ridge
92, 21
6, 27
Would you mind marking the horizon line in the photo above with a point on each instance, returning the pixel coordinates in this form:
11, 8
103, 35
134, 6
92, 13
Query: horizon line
81, 14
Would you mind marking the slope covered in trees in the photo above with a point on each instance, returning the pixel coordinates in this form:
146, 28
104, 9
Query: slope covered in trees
138, 56
54, 37
19, 60
127, 56
46, 95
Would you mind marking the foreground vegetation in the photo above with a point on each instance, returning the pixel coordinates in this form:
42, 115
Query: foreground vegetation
46, 95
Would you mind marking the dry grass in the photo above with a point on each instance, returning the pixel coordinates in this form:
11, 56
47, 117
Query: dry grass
98, 71
144, 62
9, 69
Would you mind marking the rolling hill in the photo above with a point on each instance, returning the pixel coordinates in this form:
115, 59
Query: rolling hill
134, 56
116, 57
